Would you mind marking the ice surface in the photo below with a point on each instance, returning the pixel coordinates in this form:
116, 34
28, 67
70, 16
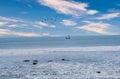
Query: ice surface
102, 62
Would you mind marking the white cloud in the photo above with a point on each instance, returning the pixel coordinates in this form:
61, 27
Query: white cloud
12, 25
99, 27
3, 23
86, 21
27, 34
24, 25
3, 32
43, 24
68, 7
92, 12
9, 32
109, 16
68, 23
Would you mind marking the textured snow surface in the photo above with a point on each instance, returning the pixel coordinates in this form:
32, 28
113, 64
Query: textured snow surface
67, 63
60, 70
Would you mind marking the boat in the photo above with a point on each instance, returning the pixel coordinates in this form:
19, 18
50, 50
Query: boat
68, 37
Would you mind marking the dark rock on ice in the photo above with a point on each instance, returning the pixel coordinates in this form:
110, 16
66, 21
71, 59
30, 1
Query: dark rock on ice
26, 60
65, 59
35, 62
50, 60
98, 72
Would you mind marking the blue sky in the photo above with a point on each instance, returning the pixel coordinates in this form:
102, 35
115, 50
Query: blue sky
35, 18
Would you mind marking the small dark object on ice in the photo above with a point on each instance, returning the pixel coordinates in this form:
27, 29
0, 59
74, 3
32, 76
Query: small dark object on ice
64, 59
50, 60
26, 60
35, 62
98, 72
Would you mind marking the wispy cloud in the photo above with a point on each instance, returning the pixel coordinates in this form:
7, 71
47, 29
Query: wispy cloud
12, 25
3, 23
99, 27
118, 4
4, 32
28, 34
68, 7
41, 24
114, 10
16, 22
24, 12
28, 3
109, 16
68, 22
12, 22
10, 19
23, 24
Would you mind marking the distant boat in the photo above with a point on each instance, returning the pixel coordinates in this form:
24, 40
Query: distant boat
68, 37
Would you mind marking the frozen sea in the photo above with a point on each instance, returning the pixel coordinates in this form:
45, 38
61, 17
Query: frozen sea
84, 57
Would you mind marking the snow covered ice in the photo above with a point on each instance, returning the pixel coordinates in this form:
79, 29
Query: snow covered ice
99, 62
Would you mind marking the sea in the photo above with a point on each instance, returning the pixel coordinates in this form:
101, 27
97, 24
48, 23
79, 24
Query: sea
80, 57
48, 42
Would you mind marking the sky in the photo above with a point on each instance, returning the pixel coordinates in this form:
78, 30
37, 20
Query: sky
37, 18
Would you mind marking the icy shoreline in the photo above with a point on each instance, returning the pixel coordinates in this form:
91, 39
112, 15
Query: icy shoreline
44, 50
